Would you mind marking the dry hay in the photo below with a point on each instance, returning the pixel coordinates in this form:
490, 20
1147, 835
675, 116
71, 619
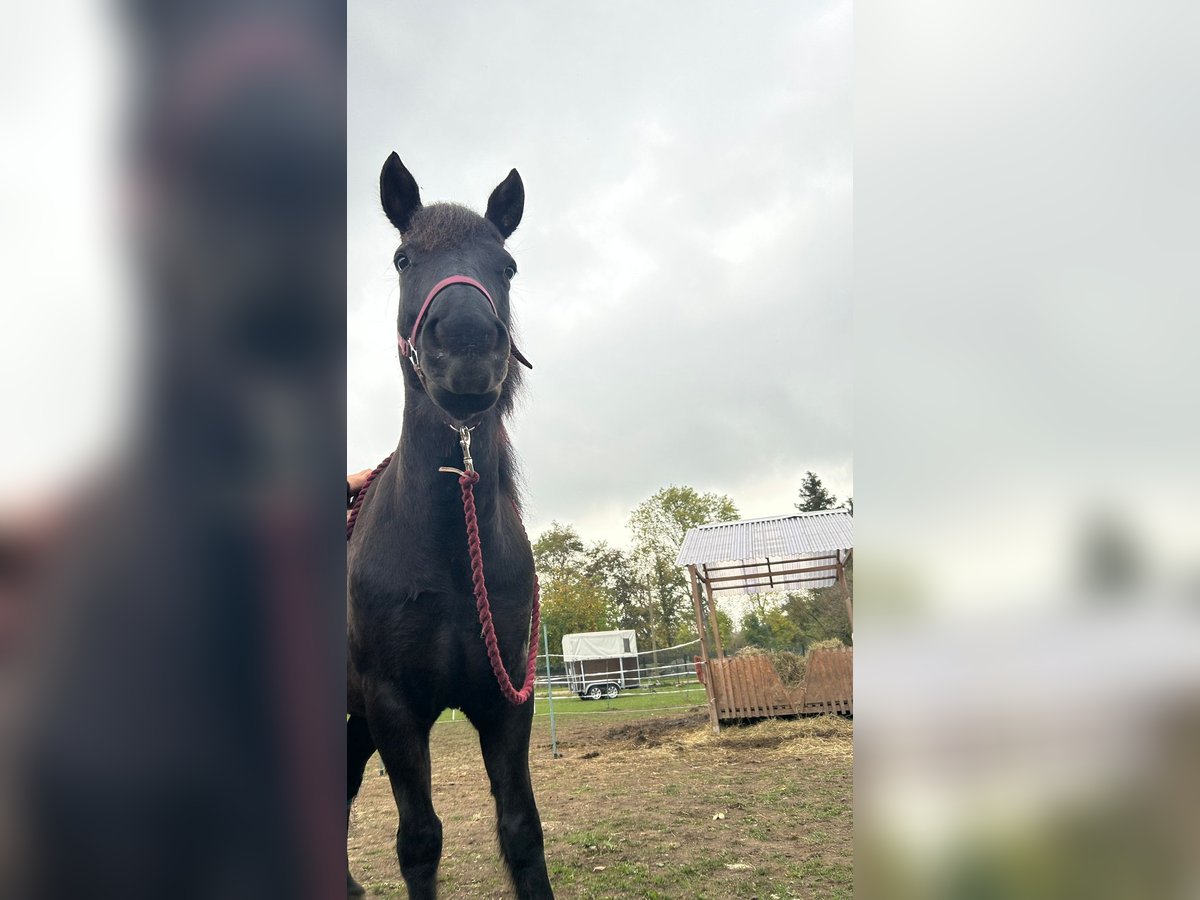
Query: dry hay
831, 737
791, 667
788, 665
827, 736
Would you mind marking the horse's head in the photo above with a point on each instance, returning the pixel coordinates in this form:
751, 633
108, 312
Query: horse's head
454, 277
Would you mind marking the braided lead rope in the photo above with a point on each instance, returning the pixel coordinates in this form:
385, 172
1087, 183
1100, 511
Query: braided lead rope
467, 481
362, 495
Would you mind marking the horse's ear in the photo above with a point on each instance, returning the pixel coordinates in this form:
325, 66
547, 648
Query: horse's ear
507, 203
398, 192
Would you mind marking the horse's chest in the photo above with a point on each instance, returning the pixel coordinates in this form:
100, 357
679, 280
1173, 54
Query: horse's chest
413, 617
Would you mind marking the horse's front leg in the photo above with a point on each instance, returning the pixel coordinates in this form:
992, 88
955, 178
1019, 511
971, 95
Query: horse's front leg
403, 742
504, 740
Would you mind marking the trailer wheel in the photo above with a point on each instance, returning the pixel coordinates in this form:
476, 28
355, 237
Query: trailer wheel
611, 691
594, 692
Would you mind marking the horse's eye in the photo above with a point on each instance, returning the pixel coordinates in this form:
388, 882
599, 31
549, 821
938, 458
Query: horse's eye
509, 272
401, 262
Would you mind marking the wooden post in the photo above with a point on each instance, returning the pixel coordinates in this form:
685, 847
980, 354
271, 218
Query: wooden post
696, 603
712, 615
708, 673
841, 577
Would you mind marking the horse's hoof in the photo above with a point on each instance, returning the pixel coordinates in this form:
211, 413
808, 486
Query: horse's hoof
353, 888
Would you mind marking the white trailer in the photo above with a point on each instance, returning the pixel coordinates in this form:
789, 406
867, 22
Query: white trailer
601, 663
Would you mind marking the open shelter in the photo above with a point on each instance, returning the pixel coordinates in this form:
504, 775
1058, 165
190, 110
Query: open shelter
801, 551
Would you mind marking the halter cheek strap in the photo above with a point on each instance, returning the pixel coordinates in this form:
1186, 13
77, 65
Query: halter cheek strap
409, 347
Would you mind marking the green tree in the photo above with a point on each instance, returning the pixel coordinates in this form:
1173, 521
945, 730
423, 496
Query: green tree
770, 627
570, 604
755, 632
813, 496
571, 599
660, 523
820, 614
658, 526
729, 639
613, 571
784, 633
559, 550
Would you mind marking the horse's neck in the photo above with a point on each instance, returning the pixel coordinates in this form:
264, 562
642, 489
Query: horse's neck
428, 444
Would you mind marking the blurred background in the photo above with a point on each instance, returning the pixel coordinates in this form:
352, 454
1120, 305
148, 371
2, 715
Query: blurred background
171, 575
1028, 628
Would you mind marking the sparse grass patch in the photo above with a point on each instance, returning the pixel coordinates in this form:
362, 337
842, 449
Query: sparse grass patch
635, 818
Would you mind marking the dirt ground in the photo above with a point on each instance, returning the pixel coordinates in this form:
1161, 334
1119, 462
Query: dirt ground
649, 806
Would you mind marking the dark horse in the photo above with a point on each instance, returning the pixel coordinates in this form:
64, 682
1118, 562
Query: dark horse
414, 645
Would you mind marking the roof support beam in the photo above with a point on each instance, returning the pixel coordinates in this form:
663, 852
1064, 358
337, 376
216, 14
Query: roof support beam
752, 586
770, 576
841, 576
712, 617
713, 720
786, 560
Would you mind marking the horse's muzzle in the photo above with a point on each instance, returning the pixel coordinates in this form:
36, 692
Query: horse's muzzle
462, 407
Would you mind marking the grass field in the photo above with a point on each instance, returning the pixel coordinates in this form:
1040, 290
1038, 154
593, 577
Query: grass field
675, 698
643, 802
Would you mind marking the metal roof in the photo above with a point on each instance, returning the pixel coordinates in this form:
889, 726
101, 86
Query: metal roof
743, 553
800, 534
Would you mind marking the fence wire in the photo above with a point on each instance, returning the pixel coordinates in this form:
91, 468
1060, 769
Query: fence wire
666, 687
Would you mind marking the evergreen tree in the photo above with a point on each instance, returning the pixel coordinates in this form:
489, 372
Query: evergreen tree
813, 495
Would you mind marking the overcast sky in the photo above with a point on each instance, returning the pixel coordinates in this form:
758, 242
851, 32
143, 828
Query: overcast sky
685, 255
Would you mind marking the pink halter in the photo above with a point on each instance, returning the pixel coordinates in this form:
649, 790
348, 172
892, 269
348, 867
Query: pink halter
409, 347
406, 347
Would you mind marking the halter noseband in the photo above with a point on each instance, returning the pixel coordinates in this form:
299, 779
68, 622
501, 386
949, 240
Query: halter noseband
409, 347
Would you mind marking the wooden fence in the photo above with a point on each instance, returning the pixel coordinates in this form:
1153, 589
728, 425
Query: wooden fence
829, 682
747, 687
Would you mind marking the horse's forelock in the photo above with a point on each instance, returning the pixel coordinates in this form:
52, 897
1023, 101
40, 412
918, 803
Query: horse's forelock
445, 225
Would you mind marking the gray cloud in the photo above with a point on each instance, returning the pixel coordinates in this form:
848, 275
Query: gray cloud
686, 249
